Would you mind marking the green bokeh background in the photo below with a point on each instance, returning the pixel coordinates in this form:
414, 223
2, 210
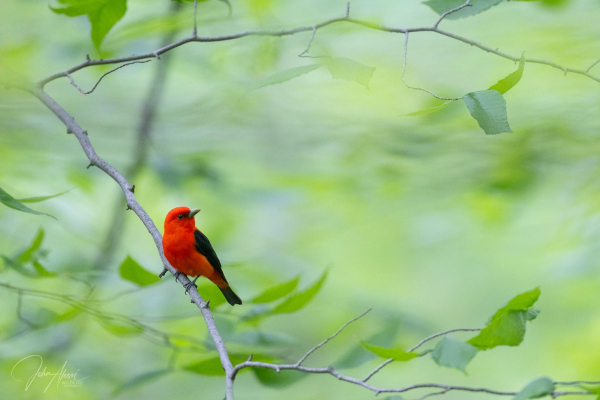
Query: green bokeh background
426, 220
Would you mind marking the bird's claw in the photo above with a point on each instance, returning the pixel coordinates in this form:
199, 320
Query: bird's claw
177, 276
189, 286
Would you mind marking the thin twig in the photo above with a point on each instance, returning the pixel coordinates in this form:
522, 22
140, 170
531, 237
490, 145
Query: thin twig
314, 32
444, 15
593, 65
102, 77
427, 339
415, 87
308, 353
195, 32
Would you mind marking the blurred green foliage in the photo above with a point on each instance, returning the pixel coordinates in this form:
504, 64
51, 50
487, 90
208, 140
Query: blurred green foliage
424, 219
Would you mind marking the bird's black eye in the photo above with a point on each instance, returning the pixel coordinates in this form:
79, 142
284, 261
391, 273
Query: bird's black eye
180, 216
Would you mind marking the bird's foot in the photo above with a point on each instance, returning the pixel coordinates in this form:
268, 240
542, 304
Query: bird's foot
189, 285
177, 276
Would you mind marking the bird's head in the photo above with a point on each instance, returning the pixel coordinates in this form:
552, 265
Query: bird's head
181, 218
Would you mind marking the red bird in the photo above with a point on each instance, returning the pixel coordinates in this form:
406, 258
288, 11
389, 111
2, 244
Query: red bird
189, 251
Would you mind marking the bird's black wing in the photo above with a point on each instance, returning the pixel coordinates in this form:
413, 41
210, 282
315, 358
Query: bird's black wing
204, 247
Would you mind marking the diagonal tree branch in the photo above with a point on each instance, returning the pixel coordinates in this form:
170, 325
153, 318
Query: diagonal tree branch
140, 151
95, 160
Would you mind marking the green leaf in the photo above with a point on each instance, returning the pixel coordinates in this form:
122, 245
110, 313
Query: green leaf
427, 110
452, 353
523, 301
27, 254
13, 203
357, 355
119, 328
257, 338
535, 389
276, 292
41, 270
288, 74
298, 300
350, 70
42, 198
395, 353
16, 266
30, 255
103, 14
477, 6
489, 110
132, 271
507, 325
507, 83
274, 379
140, 380
212, 366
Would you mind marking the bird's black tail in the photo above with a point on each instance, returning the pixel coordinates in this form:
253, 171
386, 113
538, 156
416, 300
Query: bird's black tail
231, 297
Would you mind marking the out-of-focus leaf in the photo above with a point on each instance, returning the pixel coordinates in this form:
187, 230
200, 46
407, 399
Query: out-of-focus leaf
357, 355
508, 82
210, 291
212, 366
30, 256
276, 292
535, 389
452, 353
395, 397
132, 271
395, 353
350, 70
103, 14
477, 6
288, 74
41, 270
298, 300
119, 328
67, 315
258, 338
140, 380
274, 379
489, 110
43, 198
16, 266
507, 325
36, 243
426, 111
13, 203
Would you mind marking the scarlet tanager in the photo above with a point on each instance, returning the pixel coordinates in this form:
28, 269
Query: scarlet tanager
189, 251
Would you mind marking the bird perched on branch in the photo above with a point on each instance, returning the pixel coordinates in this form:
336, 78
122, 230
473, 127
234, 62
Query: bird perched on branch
189, 251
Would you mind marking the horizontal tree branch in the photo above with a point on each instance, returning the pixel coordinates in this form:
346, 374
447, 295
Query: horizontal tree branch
297, 366
313, 28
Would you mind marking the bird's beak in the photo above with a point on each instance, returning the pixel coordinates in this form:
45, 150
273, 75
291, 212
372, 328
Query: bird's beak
193, 212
